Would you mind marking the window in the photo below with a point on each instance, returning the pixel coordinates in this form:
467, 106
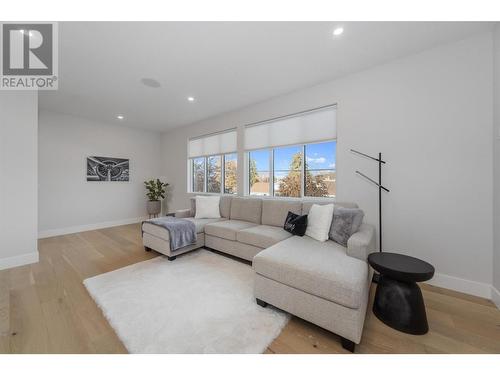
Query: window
259, 173
291, 176
198, 169
287, 171
320, 172
213, 180
214, 174
230, 173
212, 166
294, 155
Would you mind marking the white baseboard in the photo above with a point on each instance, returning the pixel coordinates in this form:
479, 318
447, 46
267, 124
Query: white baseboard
87, 227
18, 260
462, 285
495, 296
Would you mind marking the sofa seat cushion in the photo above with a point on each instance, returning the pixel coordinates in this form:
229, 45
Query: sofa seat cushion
200, 223
227, 229
162, 233
322, 269
262, 235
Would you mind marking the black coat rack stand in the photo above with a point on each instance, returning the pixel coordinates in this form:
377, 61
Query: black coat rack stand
380, 188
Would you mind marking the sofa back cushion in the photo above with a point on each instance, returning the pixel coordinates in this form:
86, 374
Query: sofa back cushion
306, 205
274, 211
224, 205
246, 209
192, 206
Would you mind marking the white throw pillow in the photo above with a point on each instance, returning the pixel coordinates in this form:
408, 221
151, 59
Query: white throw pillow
319, 221
207, 207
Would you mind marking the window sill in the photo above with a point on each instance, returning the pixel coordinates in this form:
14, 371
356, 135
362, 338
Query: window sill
318, 199
202, 193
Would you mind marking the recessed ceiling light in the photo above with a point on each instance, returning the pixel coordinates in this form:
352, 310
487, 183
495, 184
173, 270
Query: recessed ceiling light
338, 31
150, 82
120, 117
190, 99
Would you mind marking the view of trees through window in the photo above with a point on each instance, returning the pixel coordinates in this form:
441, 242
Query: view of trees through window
287, 171
213, 175
258, 172
320, 169
316, 161
198, 174
292, 171
230, 173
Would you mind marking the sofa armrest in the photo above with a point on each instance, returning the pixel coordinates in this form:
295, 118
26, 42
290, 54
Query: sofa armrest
362, 243
183, 213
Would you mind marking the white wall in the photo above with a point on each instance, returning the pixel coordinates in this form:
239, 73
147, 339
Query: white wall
18, 178
496, 174
68, 203
431, 116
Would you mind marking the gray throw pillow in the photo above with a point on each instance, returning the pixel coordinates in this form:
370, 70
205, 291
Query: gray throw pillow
346, 222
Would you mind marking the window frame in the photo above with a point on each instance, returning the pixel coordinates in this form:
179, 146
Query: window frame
205, 191
302, 172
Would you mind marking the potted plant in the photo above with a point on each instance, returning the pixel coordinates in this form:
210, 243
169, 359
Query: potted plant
155, 192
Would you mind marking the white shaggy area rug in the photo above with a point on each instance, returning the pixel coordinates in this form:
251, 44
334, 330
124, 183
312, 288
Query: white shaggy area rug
200, 303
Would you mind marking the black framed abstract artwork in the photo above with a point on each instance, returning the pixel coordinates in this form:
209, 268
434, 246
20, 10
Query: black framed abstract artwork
101, 168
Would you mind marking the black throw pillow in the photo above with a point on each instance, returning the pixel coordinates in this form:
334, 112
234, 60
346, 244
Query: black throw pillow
295, 224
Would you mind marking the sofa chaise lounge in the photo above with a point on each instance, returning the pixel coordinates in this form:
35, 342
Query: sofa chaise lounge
321, 282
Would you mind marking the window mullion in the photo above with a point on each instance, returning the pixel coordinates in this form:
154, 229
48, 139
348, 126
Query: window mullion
303, 173
248, 168
271, 173
222, 173
205, 185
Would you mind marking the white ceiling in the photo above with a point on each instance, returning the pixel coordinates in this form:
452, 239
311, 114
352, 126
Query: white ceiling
224, 65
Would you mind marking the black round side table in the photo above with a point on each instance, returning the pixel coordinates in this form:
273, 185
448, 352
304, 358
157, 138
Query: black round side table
398, 299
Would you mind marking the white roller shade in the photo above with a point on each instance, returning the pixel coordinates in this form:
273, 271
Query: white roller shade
313, 126
214, 144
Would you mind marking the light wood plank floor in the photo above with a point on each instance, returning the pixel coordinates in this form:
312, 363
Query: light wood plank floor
44, 307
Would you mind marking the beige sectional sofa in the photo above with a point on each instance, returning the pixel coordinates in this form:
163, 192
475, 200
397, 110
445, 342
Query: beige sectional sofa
322, 282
